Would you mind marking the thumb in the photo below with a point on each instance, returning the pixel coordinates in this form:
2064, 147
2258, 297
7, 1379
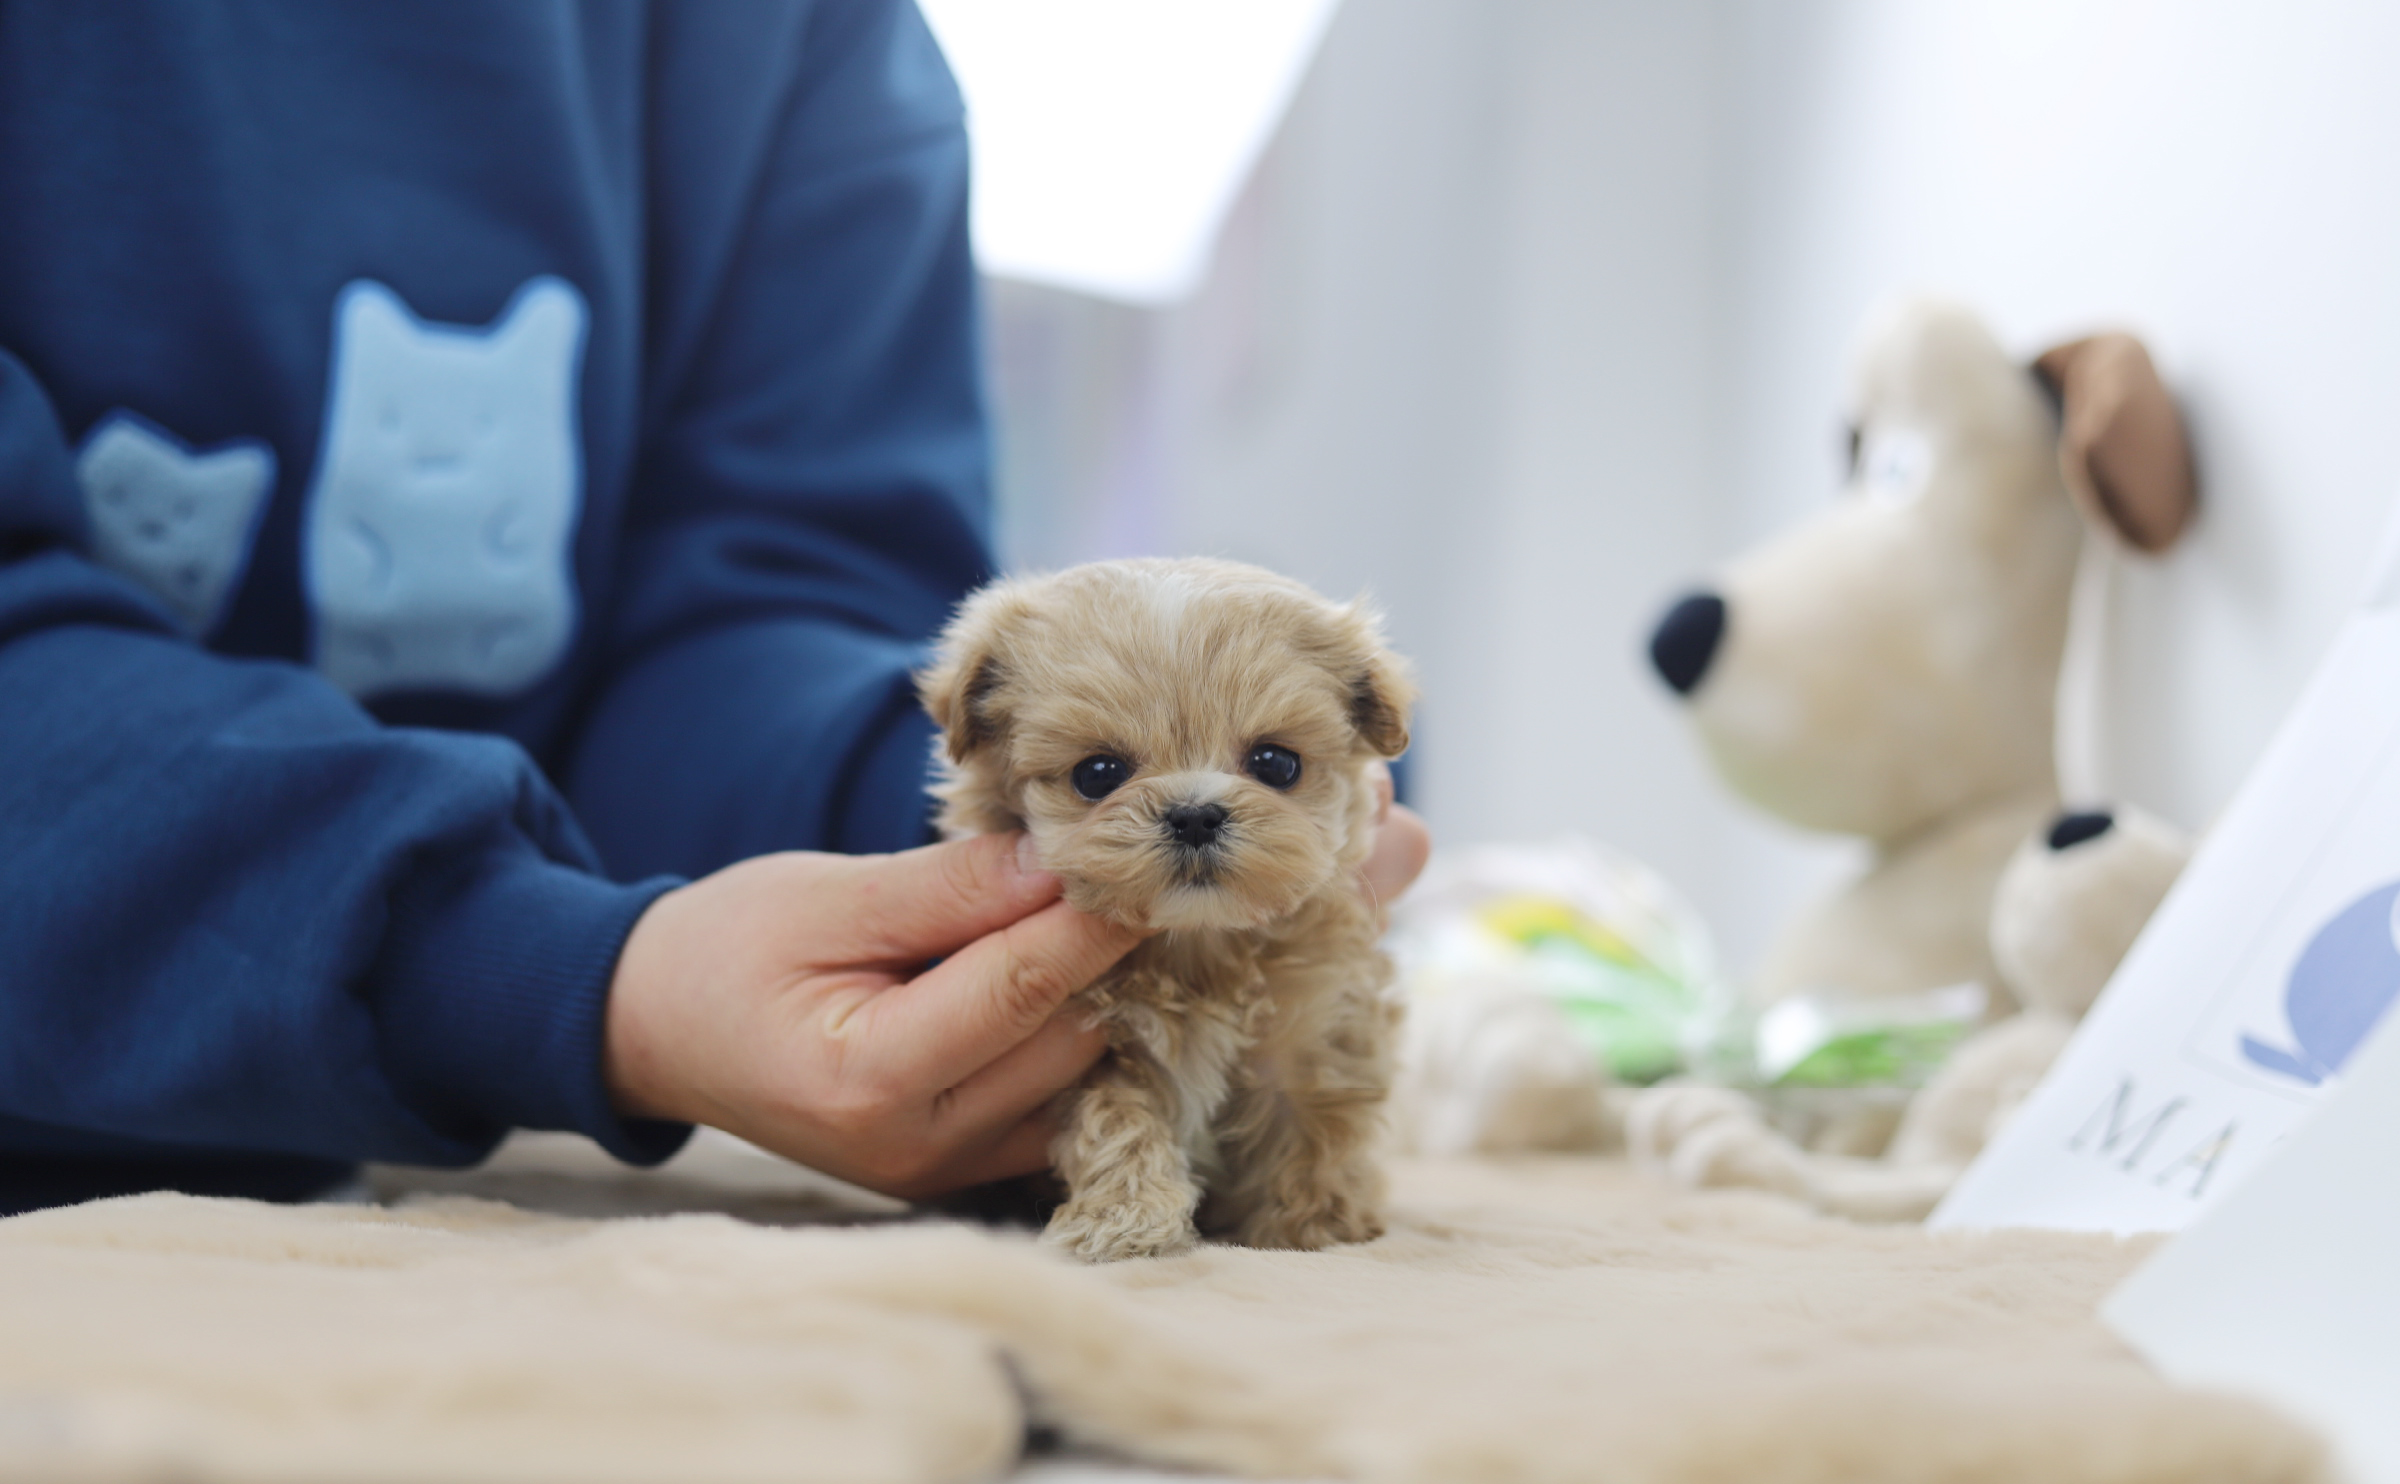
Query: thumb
974, 1007
921, 903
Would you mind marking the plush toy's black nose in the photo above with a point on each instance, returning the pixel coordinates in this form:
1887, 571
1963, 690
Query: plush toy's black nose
1686, 640
1195, 825
2070, 830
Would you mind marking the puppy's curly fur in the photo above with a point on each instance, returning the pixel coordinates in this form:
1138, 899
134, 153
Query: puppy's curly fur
1250, 1037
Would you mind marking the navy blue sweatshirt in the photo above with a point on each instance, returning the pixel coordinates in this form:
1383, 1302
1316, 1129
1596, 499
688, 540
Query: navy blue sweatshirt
462, 466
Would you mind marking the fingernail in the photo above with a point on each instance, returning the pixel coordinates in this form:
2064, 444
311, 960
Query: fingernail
1029, 862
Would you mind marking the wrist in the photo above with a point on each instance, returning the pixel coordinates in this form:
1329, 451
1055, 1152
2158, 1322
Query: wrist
633, 1063
489, 993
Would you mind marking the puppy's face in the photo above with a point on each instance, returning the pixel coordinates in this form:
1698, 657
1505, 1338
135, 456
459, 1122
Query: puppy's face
1187, 741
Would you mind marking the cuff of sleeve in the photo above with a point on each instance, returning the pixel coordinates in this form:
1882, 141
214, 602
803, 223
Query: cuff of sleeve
491, 999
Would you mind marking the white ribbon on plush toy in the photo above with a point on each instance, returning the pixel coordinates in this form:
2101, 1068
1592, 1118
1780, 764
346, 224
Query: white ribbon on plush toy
2080, 741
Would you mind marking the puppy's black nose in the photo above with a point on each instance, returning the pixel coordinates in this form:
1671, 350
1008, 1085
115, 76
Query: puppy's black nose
2070, 830
1195, 825
1686, 640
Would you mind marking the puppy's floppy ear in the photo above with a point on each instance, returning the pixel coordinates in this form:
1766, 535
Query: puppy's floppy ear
961, 689
1382, 692
958, 695
1380, 698
2121, 443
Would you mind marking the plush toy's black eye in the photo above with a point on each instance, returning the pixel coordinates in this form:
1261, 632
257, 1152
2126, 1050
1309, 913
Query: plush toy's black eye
1101, 774
1276, 767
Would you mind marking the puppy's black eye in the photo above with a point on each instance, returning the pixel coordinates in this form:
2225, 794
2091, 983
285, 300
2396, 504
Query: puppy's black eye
1276, 767
1100, 775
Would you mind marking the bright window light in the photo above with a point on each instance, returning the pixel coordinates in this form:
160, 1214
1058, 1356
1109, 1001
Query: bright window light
1111, 136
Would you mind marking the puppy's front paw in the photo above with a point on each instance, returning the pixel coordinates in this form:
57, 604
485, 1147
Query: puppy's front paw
1118, 1233
1332, 1221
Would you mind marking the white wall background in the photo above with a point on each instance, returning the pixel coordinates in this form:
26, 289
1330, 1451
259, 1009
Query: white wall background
1539, 308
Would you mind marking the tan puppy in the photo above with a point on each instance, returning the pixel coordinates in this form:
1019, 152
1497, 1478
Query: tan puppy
1191, 746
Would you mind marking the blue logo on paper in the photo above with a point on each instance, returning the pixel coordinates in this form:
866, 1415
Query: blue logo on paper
2346, 978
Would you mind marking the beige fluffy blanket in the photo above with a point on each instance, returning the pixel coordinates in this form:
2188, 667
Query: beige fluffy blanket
1551, 1321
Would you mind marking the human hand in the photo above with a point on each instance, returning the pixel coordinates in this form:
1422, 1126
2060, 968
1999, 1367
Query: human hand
1402, 843
786, 1000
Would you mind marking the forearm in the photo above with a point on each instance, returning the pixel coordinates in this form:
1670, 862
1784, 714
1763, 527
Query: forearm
784, 735
240, 914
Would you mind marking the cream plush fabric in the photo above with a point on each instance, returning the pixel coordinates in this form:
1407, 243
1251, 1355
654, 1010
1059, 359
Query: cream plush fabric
1555, 1320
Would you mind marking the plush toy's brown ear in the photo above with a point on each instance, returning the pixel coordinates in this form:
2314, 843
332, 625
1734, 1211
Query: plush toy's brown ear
959, 690
2121, 443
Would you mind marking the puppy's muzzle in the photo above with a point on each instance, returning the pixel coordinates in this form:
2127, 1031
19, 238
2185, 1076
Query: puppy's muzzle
1195, 826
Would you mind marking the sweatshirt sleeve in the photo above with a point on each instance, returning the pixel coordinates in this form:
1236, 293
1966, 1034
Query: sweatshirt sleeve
237, 913
812, 496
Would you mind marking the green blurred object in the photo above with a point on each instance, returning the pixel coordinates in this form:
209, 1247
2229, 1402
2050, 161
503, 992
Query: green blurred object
1626, 962
1631, 1012
1834, 1041
1901, 1055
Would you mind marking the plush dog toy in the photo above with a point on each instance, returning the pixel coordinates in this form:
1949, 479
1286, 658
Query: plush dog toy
1892, 669
1192, 747
2068, 906
1888, 670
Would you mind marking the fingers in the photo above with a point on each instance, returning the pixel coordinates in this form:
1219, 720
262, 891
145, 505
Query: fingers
1021, 1080
971, 1009
998, 1123
919, 904
1402, 844
1022, 1150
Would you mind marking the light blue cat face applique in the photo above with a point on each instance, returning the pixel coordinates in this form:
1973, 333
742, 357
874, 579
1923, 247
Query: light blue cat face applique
177, 522
437, 550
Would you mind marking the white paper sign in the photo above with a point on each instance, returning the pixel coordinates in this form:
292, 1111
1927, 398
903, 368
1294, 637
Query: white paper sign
2290, 1288
2253, 986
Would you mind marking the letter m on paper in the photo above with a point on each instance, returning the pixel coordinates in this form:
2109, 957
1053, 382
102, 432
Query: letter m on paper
2115, 1124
